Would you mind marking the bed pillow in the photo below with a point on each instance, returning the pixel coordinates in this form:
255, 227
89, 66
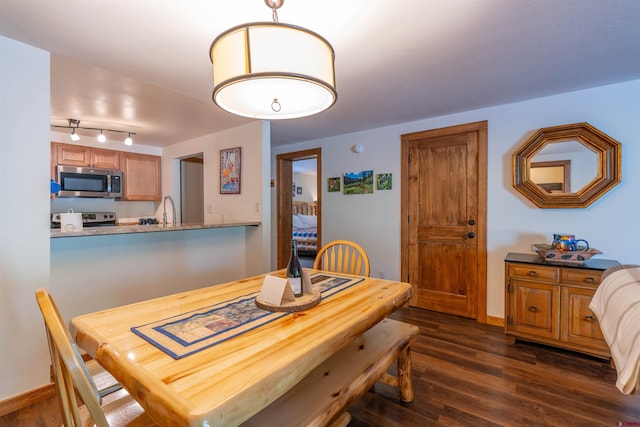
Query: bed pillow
296, 222
308, 221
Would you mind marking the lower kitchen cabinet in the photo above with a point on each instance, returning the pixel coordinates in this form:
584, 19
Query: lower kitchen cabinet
549, 303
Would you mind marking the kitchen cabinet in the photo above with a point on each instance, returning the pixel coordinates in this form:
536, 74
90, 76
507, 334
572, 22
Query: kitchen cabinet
549, 303
141, 177
75, 155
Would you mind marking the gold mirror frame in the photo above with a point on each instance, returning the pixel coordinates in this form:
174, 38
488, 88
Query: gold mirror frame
607, 175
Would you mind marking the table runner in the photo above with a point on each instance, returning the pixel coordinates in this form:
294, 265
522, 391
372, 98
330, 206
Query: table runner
188, 333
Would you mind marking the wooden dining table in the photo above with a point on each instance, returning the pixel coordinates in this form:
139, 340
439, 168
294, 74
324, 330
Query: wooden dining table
226, 383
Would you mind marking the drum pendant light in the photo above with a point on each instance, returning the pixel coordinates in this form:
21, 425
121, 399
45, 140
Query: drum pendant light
270, 70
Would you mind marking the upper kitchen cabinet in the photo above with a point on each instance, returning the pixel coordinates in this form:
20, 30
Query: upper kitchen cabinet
141, 177
75, 155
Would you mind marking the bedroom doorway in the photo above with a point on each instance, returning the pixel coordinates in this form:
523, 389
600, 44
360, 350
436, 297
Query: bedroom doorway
287, 195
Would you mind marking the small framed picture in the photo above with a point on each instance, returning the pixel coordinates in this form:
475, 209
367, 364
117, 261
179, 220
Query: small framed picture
230, 171
333, 184
383, 181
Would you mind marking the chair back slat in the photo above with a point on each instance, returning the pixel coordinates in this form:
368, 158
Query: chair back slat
70, 372
343, 256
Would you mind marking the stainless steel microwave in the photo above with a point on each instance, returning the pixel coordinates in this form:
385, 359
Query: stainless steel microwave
89, 182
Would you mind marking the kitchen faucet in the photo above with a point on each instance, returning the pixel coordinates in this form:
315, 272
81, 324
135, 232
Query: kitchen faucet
164, 214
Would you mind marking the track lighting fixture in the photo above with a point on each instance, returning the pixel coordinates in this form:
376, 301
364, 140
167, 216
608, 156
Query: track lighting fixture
74, 124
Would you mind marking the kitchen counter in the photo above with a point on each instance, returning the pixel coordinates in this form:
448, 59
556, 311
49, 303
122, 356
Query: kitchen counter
154, 228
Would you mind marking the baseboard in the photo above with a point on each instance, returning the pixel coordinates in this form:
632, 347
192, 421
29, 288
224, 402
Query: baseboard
28, 398
495, 321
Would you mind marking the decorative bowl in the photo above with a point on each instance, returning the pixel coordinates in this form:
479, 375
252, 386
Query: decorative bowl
550, 254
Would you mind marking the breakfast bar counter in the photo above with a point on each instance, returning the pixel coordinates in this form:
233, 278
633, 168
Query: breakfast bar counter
152, 228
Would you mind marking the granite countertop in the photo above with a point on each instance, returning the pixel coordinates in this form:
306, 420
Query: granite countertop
154, 228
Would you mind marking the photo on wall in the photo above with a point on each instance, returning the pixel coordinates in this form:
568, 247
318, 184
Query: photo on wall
383, 181
333, 184
230, 171
358, 182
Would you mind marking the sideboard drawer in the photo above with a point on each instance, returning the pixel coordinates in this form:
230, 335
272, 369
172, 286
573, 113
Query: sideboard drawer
588, 278
534, 272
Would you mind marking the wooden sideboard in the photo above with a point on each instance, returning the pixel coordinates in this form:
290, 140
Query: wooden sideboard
549, 303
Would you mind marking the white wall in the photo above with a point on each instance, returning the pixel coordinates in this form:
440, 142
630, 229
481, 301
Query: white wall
24, 204
308, 183
253, 202
513, 223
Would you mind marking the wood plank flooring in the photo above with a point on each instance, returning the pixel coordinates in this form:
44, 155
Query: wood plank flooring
467, 374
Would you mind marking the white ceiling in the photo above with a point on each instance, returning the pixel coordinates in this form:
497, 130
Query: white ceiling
143, 65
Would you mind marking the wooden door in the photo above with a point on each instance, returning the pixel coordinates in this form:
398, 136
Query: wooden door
284, 200
444, 204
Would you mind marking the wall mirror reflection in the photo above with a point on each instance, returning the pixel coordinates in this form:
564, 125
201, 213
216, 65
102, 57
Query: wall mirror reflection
567, 166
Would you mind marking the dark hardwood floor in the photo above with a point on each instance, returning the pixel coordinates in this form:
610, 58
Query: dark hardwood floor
467, 374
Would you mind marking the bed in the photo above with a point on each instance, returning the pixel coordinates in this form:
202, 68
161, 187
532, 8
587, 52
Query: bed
305, 227
616, 304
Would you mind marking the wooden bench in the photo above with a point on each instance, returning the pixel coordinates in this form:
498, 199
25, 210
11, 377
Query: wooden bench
324, 395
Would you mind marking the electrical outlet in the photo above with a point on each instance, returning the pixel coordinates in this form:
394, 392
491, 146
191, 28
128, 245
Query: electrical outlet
382, 274
209, 209
258, 207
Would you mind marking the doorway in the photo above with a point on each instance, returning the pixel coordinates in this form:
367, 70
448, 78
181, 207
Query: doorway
285, 198
192, 190
444, 202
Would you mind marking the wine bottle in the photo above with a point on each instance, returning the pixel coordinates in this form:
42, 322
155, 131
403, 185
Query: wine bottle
294, 271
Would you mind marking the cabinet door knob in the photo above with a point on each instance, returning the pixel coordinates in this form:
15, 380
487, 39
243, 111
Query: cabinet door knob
533, 309
590, 280
533, 273
471, 235
472, 222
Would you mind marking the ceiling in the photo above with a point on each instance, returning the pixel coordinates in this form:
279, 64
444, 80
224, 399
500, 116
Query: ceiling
143, 66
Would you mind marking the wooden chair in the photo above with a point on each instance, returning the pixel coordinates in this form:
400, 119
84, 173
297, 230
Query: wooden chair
342, 256
73, 379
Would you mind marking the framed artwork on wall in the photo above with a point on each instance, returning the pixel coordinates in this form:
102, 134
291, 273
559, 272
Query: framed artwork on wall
333, 184
358, 182
230, 171
383, 181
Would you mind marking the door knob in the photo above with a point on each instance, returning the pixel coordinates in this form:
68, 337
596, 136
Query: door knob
472, 222
471, 235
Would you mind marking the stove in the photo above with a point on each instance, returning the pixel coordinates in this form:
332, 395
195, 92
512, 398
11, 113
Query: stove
89, 219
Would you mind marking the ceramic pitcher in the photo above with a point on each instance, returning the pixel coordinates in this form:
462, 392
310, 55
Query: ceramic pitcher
567, 242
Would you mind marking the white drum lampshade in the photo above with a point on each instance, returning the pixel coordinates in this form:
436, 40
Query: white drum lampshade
270, 70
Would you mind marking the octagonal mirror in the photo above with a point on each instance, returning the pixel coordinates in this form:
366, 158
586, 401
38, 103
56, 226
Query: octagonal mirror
568, 166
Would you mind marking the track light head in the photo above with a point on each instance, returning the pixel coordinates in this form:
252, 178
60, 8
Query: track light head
74, 136
128, 140
101, 137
